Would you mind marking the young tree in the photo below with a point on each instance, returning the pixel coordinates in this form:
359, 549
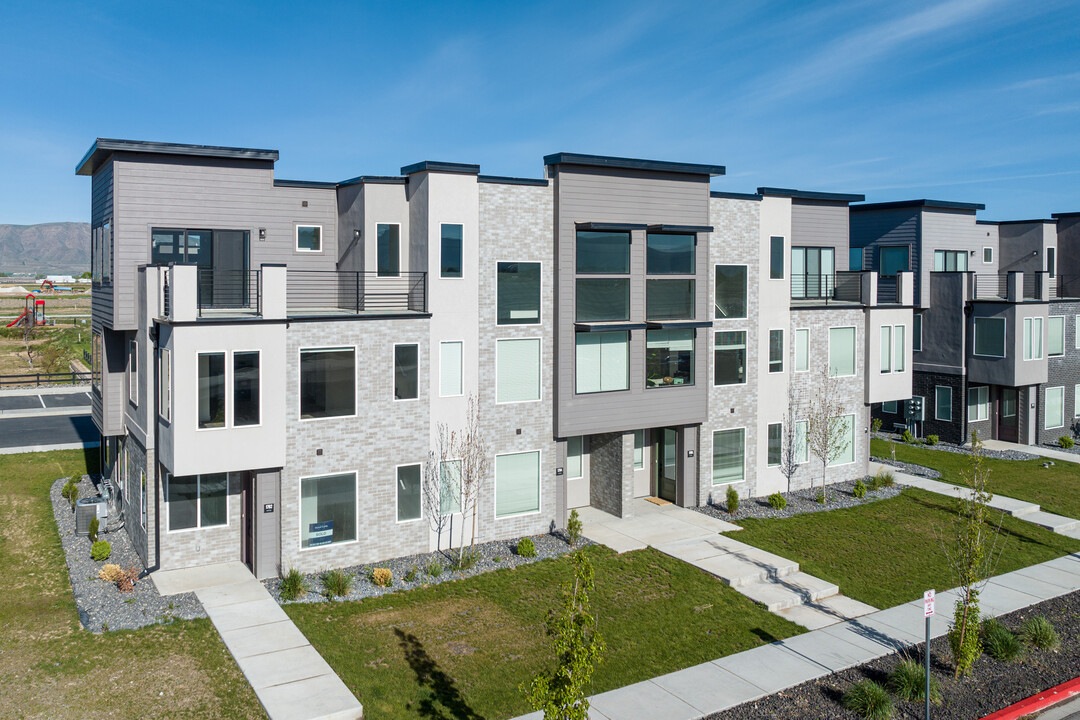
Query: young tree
561, 693
468, 447
29, 333
790, 447
826, 435
436, 490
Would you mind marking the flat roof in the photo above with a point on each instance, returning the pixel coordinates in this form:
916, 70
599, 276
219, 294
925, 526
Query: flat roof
1025, 222
503, 180
733, 195
304, 184
444, 167
606, 161
931, 204
1058, 216
810, 195
373, 180
102, 148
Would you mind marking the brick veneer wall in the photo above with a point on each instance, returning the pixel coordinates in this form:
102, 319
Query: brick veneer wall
1062, 371
923, 384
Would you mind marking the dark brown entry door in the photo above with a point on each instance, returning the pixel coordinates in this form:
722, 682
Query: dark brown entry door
247, 522
1007, 419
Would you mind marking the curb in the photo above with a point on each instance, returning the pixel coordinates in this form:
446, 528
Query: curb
1035, 703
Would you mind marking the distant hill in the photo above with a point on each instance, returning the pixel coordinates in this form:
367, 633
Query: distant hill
48, 247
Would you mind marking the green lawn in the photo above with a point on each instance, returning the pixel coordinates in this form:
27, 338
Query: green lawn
888, 552
461, 649
51, 668
1056, 489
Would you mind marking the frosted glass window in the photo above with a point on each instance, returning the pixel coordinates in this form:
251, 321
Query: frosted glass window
517, 372
886, 348
450, 369
729, 464
517, 484
602, 361
1055, 344
899, 349
845, 454
1055, 407
978, 403
327, 510
776, 435
409, 493
802, 350
990, 337
943, 403
573, 457
450, 487
1033, 338
802, 447
841, 351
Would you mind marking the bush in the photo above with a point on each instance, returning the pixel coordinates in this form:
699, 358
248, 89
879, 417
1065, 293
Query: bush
293, 585
884, 479
860, 489
434, 568
382, 577
573, 527
101, 550
467, 559
526, 548
1038, 632
336, 583
127, 582
1066, 442
932, 439
868, 700
907, 437
908, 681
821, 497
1000, 643
111, 573
70, 491
875, 425
777, 501
411, 574
92, 531
732, 500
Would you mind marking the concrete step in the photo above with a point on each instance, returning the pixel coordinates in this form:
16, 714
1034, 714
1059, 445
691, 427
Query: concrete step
1056, 523
787, 592
827, 611
747, 567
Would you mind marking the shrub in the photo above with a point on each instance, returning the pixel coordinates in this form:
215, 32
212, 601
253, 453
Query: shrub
573, 527
383, 577
732, 500
1038, 632
69, 487
92, 531
907, 437
875, 425
111, 573
411, 574
932, 439
860, 489
101, 550
127, 582
908, 681
777, 501
434, 568
1066, 442
293, 585
868, 700
336, 583
1000, 643
526, 548
821, 497
884, 479
467, 559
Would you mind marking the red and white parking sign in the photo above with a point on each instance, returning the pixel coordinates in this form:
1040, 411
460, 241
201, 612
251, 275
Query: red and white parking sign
928, 603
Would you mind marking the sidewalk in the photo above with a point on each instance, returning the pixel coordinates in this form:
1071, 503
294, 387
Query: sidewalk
1033, 450
290, 678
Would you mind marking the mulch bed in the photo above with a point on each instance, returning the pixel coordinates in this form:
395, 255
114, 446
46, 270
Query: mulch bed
991, 686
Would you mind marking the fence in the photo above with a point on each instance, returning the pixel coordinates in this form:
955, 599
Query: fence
351, 292
39, 379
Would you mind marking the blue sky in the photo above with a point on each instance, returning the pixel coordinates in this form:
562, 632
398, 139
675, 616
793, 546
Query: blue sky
969, 100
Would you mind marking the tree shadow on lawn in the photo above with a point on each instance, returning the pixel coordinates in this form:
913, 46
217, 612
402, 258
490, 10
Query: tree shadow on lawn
996, 518
443, 691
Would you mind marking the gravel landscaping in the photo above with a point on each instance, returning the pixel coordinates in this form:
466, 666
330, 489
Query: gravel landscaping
1075, 449
490, 556
960, 449
993, 685
101, 605
799, 502
909, 468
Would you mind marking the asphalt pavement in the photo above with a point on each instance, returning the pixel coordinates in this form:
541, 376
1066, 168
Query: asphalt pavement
43, 400
47, 432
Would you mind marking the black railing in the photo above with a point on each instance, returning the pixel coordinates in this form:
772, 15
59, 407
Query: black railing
849, 286
341, 291
806, 286
39, 379
1031, 286
1065, 286
888, 289
229, 290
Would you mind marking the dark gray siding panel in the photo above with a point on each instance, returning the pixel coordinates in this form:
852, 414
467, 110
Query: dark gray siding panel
1021, 248
101, 209
1068, 232
944, 326
821, 225
872, 230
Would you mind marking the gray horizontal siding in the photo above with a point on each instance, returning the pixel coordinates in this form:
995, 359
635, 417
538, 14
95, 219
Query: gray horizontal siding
101, 209
872, 230
821, 225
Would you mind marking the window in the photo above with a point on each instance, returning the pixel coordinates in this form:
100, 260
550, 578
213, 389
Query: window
165, 378
600, 299
1076, 401
602, 361
990, 337
669, 357
101, 253
388, 249
916, 333
841, 351
517, 484
802, 447
1055, 328
406, 372
950, 261
670, 254
1076, 336
327, 510
776, 351
639, 448
812, 272
246, 388
855, 259
1051, 259
1055, 407
450, 487
518, 293
573, 457
730, 291
892, 260
776, 258
802, 350
517, 371
844, 450
943, 403
775, 443
978, 403
899, 349
450, 364
988, 255
728, 456
408, 493
601, 253
142, 498
133, 371
309, 238
327, 382
450, 256
200, 247
211, 390
668, 299
197, 501
886, 348
889, 407
95, 358
1033, 338
729, 358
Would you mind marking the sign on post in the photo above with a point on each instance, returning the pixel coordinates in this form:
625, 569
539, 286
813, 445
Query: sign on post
928, 611
928, 603
320, 533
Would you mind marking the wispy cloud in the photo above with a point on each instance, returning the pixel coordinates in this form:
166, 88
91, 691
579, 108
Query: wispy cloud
1041, 82
975, 181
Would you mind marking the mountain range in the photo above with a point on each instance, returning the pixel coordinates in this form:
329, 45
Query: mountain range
59, 247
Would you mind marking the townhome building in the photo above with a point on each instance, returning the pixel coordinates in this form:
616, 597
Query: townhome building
995, 325
275, 361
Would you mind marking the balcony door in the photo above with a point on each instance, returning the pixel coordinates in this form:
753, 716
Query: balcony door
812, 271
230, 263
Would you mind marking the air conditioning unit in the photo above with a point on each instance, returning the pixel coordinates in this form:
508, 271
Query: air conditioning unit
88, 508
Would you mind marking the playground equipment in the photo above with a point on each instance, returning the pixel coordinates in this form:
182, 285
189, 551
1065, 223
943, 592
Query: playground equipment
34, 314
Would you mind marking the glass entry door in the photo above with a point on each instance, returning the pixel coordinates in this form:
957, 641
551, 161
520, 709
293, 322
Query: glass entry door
667, 463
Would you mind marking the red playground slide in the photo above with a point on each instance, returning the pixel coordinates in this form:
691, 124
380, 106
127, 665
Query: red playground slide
18, 320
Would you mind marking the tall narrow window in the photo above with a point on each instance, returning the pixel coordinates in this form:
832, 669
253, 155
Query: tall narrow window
845, 448
776, 258
669, 358
802, 350
408, 493
211, 390
1033, 338
165, 378
1055, 407
916, 333
1076, 401
978, 403
776, 351
988, 255
943, 403
450, 365
573, 457
450, 255
133, 372
729, 358
518, 293
517, 484
886, 348
729, 462
450, 487
841, 351
327, 510
899, 349
602, 361
802, 447
1055, 329
406, 374
388, 249
327, 382
246, 388
775, 443
730, 291
1051, 259
309, 238
517, 370
639, 448
213, 499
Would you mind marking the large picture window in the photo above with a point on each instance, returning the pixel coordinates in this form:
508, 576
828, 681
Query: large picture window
327, 510
1055, 408
518, 293
517, 371
730, 291
845, 449
600, 252
517, 484
602, 299
211, 390
450, 251
602, 361
197, 501
669, 254
409, 493
669, 357
990, 337
205, 248
841, 351
669, 299
729, 358
406, 372
327, 382
388, 249
729, 462
246, 388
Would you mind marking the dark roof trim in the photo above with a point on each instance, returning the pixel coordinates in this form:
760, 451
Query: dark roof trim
373, 180
986, 222
304, 184
441, 167
661, 325
1025, 222
104, 147
633, 164
606, 226
810, 195
538, 182
931, 204
681, 228
733, 195
1059, 216
603, 326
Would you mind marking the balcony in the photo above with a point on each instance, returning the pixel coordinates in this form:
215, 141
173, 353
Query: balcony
1018, 286
851, 288
316, 293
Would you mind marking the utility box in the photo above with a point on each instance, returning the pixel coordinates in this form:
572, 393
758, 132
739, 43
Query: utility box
87, 509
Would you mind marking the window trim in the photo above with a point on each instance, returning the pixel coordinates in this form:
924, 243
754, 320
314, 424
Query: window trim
393, 361
460, 510
806, 441
540, 372
231, 387
769, 351
198, 504
451, 277
133, 376
1063, 343
712, 454
296, 238
981, 406
784, 252
854, 439
397, 495
991, 260
768, 429
854, 348
1004, 337
795, 348
300, 499
540, 309
460, 343
227, 384
1029, 337
746, 349
746, 290
400, 250
539, 485
629, 345
885, 359
936, 416
299, 381
165, 384
1046, 403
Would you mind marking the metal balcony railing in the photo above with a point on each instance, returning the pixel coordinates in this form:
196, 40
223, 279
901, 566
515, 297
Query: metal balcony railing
229, 290
992, 286
336, 292
887, 290
807, 286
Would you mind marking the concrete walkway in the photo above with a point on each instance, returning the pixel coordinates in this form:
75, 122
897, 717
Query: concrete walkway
1032, 450
773, 581
290, 678
722, 684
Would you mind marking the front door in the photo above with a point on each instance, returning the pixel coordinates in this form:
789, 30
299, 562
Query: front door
1007, 420
667, 463
247, 522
